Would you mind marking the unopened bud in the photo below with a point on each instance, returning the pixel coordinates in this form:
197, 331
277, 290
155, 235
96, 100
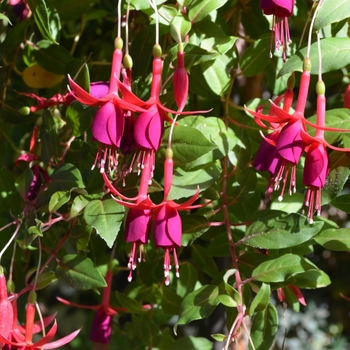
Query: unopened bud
25, 110
118, 43
157, 50
10, 287
320, 88
169, 154
127, 61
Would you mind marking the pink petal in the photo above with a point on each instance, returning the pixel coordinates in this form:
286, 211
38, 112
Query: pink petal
174, 226
148, 130
137, 225
316, 166
290, 144
100, 123
101, 329
115, 125
47, 337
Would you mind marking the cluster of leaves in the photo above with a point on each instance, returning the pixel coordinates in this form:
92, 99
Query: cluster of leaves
233, 253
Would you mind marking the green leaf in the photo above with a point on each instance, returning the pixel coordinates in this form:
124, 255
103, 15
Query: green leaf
187, 280
45, 279
205, 262
264, 328
261, 300
334, 239
4, 18
187, 143
49, 137
180, 25
193, 226
199, 304
199, 9
311, 279
54, 58
216, 131
281, 269
218, 336
342, 202
78, 205
186, 183
337, 177
65, 178
46, 18
58, 199
245, 186
145, 329
281, 231
170, 301
132, 305
228, 295
106, 216
256, 57
79, 117
70, 10
331, 11
79, 272
335, 55
80, 236
192, 343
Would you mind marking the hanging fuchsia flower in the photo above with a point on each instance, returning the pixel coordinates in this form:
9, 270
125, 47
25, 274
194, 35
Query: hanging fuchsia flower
137, 230
108, 124
281, 10
6, 310
25, 341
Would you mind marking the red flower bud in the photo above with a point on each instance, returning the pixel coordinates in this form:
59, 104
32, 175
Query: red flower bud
180, 82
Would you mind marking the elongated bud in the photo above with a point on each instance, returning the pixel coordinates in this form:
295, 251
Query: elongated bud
168, 171
116, 64
347, 97
180, 81
6, 309
157, 68
30, 315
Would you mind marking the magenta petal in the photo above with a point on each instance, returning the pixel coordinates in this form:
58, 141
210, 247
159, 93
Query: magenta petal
290, 144
316, 166
267, 158
100, 123
99, 89
137, 225
174, 226
148, 129
279, 8
115, 125
101, 329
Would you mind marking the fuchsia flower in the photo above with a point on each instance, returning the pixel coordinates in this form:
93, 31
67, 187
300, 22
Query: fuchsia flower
295, 290
108, 124
25, 341
101, 329
180, 80
6, 311
281, 10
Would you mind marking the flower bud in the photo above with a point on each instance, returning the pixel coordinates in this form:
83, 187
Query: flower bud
180, 82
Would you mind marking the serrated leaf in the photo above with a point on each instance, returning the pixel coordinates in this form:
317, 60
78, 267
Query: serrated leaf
79, 272
281, 231
199, 9
186, 183
106, 216
331, 11
335, 55
256, 57
264, 328
199, 304
281, 269
187, 143
334, 239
